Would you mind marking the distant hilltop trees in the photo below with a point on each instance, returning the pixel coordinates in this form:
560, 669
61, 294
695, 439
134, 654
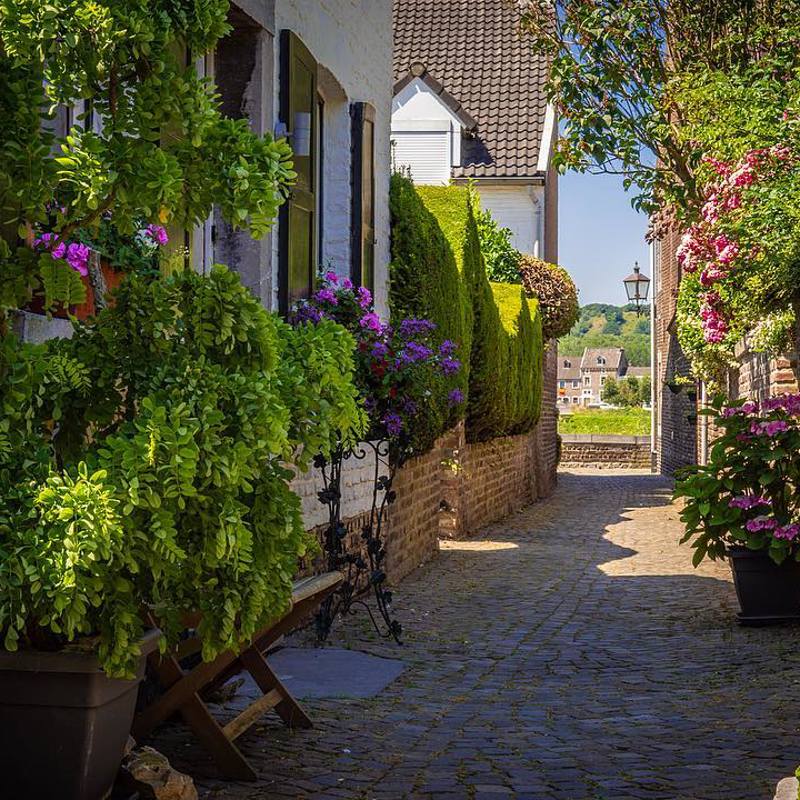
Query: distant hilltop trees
606, 325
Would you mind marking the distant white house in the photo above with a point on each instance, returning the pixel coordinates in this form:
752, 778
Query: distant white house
469, 104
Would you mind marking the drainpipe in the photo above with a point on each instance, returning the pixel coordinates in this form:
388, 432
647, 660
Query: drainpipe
703, 426
654, 378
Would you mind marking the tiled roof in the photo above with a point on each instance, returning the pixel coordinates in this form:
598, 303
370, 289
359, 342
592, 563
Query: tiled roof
612, 356
475, 50
568, 373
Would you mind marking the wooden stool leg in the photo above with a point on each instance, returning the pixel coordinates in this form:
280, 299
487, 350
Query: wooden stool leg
226, 754
289, 710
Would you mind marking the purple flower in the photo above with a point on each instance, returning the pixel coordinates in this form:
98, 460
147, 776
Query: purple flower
747, 408
769, 428
456, 397
47, 240
415, 327
78, 257
308, 313
761, 524
327, 296
393, 423
158, 233
414, 352
371, 321
450, 366
380, 350
347, 284
409, 407
747, 502
447, 348
364, 297
371, 404
788, 532
331, 277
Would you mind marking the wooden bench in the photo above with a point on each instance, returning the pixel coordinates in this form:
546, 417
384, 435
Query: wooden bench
185, 689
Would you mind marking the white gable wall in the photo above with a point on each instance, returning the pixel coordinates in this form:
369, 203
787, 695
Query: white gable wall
426, 135
520, 208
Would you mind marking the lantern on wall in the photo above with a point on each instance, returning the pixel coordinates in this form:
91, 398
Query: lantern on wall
637, 287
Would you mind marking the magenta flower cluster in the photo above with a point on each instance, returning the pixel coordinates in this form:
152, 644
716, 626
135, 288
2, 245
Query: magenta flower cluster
707, 249
76, 254
746, 502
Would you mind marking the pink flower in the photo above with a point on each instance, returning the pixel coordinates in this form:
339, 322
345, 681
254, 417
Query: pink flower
743, 177
78, 257
788, 532
770, 429
761, 524
733, 202
331, 277
371, 321
158, 233
48, 242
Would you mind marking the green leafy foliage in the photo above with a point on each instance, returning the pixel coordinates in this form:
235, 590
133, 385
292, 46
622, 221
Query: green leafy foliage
747, 493
156, 147
630, 391
552, 286
502, 259
191, 407
613, 66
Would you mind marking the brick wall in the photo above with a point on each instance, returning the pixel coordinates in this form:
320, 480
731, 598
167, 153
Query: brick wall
676, 432
450, 491
760, 375
605, 452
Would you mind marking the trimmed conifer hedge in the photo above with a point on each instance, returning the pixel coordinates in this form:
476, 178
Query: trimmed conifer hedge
438, 272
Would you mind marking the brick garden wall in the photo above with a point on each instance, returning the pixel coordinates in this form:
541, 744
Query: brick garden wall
450, 491
605, 452
760, 375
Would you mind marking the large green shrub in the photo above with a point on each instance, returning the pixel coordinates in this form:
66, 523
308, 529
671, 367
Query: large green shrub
189, 405
426, 283
501, 257
505, 360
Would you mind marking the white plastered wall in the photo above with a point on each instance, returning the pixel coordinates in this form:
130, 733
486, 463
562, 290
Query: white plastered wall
352, 42
519, 207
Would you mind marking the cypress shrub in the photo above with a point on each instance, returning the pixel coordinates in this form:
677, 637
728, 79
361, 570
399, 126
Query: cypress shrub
425, 283
434, 230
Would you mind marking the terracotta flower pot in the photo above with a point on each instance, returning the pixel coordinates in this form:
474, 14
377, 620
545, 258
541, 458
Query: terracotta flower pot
64, 723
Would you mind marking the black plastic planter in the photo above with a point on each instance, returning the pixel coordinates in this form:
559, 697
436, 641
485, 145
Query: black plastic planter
64, 723
768, 593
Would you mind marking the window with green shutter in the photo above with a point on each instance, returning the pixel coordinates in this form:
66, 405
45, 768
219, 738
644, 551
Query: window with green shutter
363, 185
298, 219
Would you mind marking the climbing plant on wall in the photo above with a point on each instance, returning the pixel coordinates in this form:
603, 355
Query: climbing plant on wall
104, 114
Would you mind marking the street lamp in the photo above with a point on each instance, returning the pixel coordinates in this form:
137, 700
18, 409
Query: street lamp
637, 287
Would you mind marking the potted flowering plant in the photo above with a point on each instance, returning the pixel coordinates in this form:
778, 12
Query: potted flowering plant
117, 254
744, 505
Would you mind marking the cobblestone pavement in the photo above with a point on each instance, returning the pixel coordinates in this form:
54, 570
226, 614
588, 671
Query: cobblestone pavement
570, 652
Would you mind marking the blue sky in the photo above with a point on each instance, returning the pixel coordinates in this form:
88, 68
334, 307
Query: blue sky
600, 236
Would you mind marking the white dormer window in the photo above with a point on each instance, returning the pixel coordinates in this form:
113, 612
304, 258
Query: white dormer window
427, 127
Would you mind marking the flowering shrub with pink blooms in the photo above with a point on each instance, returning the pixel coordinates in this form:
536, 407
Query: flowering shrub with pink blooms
748, 494
399, 367
738, 258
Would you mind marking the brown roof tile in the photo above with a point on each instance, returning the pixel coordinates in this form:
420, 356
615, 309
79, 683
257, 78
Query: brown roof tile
475, 50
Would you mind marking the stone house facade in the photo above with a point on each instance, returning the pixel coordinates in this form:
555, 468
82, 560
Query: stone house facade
582, 385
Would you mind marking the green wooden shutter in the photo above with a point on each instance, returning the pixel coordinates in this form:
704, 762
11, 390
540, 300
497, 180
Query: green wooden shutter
297, 225
363, 192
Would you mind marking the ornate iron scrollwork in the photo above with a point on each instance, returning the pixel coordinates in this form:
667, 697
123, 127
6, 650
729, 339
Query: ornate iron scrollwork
363, 570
